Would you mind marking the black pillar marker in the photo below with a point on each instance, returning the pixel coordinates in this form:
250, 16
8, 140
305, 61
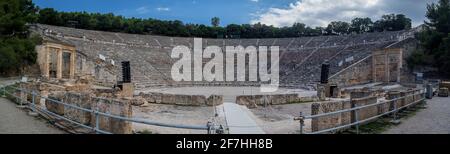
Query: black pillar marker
126, 72
324, 73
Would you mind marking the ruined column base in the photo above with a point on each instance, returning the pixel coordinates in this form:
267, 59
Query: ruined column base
321, 91
128, 90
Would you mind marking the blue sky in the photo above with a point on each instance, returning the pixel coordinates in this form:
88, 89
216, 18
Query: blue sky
189, 11
272, 12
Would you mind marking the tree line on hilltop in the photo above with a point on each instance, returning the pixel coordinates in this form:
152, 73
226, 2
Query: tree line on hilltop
115, 23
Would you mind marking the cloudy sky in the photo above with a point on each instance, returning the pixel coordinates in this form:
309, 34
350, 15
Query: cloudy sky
272, 12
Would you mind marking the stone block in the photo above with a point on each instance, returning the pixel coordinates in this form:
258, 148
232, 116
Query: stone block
331, 121
80, 100
54, 107
121, 108
214, 100
365, 113
138, 101
128, 90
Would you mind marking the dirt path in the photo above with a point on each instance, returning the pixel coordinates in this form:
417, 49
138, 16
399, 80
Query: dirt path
435, 119
16, 121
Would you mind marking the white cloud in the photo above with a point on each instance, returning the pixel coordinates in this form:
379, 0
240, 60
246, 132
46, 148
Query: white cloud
254, 0
163, 9
320, 12
142, 10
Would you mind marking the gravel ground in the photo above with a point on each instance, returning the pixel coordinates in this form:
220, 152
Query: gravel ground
16, 121
279, 119
435, 119
180, 115
229, 93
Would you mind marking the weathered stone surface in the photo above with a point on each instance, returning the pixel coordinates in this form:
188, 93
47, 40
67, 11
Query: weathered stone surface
80, 100
214, 100
253, 101
321, 88
78, 88
350, 68
365, 113
127, 90
331, 121
359, 73
395, 104
115, 107
184, 100
138, 101
53, 106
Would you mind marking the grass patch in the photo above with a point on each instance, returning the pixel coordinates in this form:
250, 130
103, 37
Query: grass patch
382, 124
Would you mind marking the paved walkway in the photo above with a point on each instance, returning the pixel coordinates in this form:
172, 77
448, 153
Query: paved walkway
435, 119
16, 121
239, 121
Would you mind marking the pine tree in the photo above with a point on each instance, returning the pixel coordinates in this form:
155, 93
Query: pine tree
17, 49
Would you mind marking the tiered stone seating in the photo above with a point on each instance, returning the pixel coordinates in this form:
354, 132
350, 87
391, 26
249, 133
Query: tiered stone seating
300, 58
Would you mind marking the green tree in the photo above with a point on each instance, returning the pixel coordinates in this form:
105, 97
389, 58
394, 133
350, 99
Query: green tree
16, 48
110, 22
338, 27
50, 16
392, 22
233, 30
361, 25
435, 39
215, 21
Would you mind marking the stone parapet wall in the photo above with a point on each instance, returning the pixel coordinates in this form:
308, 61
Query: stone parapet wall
327, 122
358, 73
80, 100
359, 99
115, 107
183, 100
253, 101
365, 113
86, 100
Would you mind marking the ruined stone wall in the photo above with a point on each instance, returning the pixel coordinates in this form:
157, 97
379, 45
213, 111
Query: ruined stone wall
115, 107
331, 121
409, 46
82, 100
358, 73
85, 100
253, 101
365, 113
363, 71
104, 74
41, 59
359, 99
184, 100
84, 66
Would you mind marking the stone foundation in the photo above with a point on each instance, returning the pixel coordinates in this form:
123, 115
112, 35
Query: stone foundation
331, 121
365, 113
253, 101
79, 100
183, 100
115, 107
358, 99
